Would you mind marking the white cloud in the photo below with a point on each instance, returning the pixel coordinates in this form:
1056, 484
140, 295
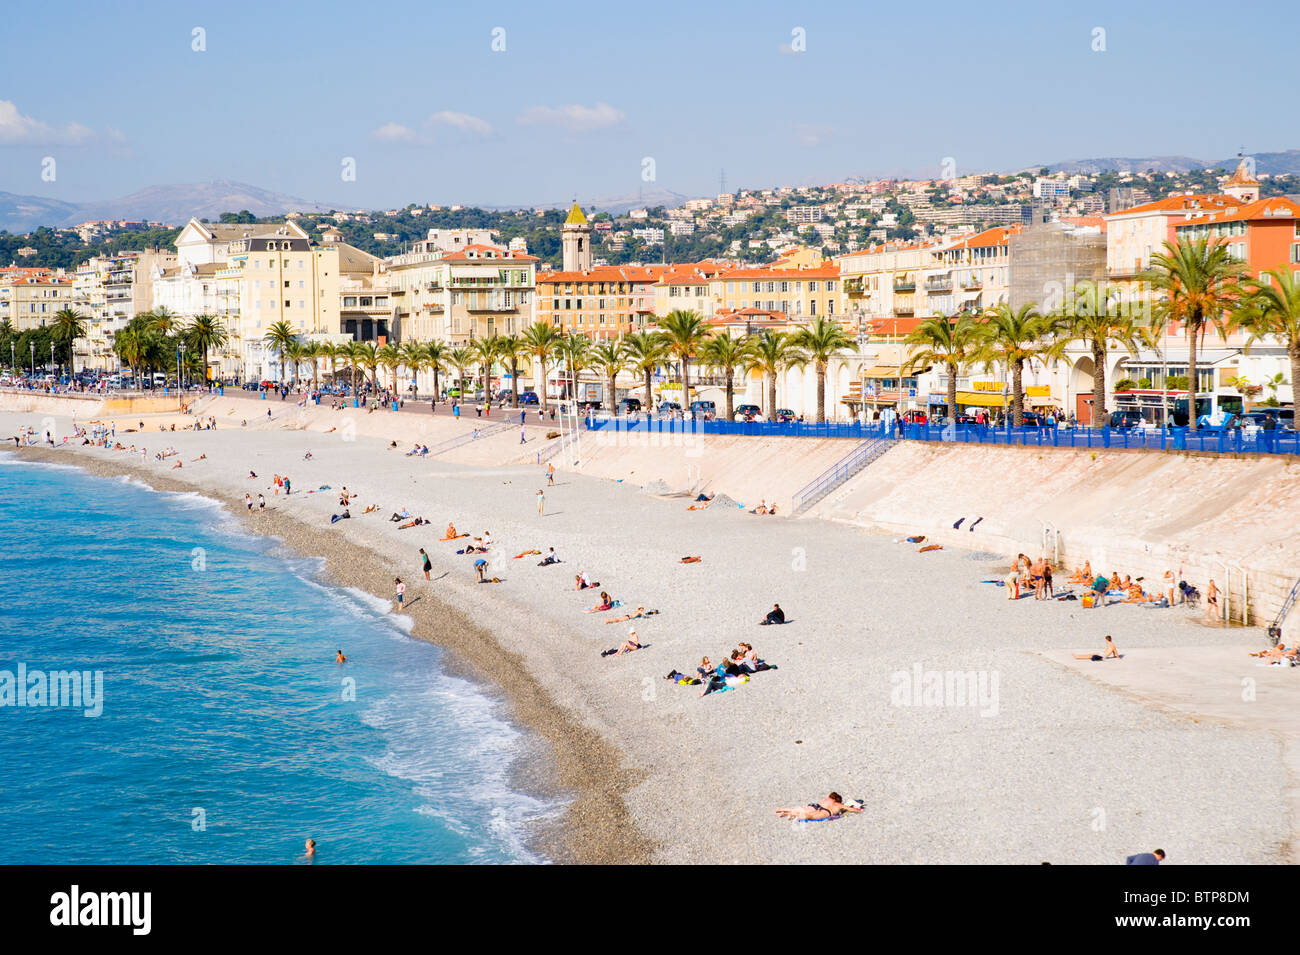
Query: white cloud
395, 133
19, 130
463, 121
806, 134
574, 117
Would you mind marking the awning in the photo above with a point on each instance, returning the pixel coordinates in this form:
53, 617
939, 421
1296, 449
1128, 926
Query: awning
982, 399
1040, 401
880, 371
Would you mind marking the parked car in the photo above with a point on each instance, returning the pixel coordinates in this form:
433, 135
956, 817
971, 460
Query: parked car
915, 417
1123, 420
629, 405
668, 409
528, 398
748, 412
704, 409
785, 415
1031, 419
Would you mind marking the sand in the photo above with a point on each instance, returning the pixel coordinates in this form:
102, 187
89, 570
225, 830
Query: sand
1058, 766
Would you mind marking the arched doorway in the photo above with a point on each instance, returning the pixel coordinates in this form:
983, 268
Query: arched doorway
1081, 381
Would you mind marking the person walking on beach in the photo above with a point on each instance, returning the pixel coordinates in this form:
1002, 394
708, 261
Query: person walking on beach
541, 501
286, 485
523, 435
248, 502
1211, 602
401, 591
261, 503
427, 565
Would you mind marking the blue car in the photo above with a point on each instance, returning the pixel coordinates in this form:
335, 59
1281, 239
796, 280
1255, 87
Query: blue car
528, 398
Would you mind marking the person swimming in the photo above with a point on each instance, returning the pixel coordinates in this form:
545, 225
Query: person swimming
340, 658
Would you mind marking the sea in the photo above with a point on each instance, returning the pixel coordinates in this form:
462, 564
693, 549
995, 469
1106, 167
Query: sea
223, 730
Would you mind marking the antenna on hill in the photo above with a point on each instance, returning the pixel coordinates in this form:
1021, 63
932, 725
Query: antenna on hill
722, 182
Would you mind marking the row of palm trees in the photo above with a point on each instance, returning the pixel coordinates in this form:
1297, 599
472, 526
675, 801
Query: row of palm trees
1197, 286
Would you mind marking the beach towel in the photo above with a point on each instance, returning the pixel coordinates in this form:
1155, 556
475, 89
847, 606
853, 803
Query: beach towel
527, 553
930, 547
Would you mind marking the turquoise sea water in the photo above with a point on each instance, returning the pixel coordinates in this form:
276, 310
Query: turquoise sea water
227, 732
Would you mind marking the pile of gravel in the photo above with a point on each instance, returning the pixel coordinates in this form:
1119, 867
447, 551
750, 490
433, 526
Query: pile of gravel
721, 500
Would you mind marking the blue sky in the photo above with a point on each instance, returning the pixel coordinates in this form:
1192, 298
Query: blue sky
583, 92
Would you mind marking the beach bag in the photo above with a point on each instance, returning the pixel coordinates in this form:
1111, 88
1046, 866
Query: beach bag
1088, 600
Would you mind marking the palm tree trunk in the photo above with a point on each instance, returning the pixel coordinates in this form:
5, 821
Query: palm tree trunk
771, 397
952, 392
541, 360
1192, 328
821, 392
647, 388
1017, 394
514, 382
731, 386
1099, 417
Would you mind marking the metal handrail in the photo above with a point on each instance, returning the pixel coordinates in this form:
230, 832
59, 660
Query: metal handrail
843, 469
467, 438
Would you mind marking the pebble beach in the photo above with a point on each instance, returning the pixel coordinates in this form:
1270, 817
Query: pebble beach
1043, 763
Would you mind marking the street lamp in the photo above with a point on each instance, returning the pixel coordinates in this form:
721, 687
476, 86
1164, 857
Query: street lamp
52, 365
33, 344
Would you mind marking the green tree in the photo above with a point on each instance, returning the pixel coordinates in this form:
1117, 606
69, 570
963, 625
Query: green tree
821, 341
68, 326
390, 357
575, 351
461, 358
511, 348
279, 337
727, 353
684, 331
610, 357
1094, 317
542, 340
1012, 338
941, 340
485, 353
774, 352
205, 333
1196, 281
435, 353
646, 351
1270, 308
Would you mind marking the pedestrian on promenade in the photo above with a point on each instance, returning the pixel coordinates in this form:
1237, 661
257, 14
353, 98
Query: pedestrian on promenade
541, 501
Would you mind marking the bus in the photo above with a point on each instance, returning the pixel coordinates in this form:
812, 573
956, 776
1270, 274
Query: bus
1213, 411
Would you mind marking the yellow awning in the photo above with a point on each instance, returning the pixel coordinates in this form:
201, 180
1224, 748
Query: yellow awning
880, 371
979, 399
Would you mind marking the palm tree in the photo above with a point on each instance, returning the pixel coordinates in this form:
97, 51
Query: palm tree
162, 321
646, 351
1272, 309
726, 353
435, 353
485, 353
1097, 319
296, 352
390, 356
351, 353
1199, 282
575, 349
413, 357
541, 340
1012, 337
313, 352
69, 325
460, 358
684, 331
131, 348
773, 353
510, 348
368, 358
821, 341
279, 337
942, 341
204, 333
611, 358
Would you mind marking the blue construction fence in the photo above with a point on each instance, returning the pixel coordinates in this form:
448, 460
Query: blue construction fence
1233, 441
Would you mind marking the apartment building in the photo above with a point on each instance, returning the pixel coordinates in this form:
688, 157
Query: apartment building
602, 303
30, 297
476, 292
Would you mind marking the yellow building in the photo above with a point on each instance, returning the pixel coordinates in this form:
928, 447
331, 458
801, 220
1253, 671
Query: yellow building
601, 303
30, 298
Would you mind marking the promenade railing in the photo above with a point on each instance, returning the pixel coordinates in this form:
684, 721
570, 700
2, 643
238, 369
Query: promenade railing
1230, 441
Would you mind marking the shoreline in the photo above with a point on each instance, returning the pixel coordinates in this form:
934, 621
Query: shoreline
560, 758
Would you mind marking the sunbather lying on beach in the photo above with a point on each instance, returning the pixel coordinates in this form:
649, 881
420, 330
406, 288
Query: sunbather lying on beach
1279, 654
335, 518
1108, 653
371, 509
416, 522
640, 612
690, 560
675, 677
829, 808
400, 516
1082, 576
630, 644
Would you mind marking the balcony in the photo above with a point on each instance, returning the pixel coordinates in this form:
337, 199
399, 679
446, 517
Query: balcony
905, 286
853, 286
971, 285
936, 285
906, 308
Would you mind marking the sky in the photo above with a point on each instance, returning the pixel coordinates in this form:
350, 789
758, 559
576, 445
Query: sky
525, 103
